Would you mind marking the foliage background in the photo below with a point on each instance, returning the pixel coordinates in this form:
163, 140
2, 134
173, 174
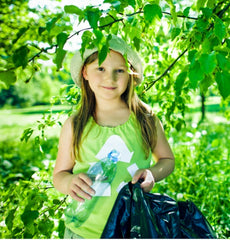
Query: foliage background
185, 50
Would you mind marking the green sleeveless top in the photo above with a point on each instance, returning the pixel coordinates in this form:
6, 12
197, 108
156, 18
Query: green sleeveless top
98, 141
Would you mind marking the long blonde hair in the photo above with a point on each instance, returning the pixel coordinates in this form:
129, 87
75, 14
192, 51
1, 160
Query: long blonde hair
145, 117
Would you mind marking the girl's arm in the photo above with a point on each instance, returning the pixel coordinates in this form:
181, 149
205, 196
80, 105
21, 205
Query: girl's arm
165, 162
75, 185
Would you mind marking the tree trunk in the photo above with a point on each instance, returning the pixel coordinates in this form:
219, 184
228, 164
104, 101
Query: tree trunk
202, 107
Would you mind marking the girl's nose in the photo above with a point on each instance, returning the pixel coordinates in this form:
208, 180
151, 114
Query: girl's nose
111, 76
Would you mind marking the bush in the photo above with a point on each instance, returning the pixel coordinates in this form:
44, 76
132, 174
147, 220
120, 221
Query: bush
39, 91
30, 207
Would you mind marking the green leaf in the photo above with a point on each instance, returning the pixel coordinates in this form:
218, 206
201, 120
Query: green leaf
195, 75
105, 20
178, 125
93, 15
186, 11
222, 61
26, 134
102, 54
29, 230
41, 30
175, 32
63, 88
219, 29
72, 9
208, 62
200, 4
116, 5
46, 227
227, 42
51, 24
9, 219
29, 216
211, 3
61, 39
215, 143
206, 83
152, 11
137, 42
99, 36
56, 201
86, 38
20, 57
202, 24
20, 33
223, 82
207, 12
172, 11
44, 57
180, 82
192, 56
8, 78
60, 55
206, 45
61, 229
132, 3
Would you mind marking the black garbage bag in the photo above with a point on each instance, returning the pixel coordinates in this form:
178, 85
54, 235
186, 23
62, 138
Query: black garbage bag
144, 215
192, 222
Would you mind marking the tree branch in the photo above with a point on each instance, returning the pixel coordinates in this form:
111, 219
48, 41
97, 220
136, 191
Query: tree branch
181, 16
166, 13
149, 85
218, 4
221, 12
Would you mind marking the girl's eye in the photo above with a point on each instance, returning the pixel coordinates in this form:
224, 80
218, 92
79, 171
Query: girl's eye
120, 71
101, 69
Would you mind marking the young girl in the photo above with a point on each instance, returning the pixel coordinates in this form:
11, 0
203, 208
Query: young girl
110, 117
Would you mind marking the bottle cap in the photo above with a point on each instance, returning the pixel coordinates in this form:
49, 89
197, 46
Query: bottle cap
114, 155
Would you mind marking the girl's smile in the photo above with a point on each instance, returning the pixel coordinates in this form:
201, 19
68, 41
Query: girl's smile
110, 88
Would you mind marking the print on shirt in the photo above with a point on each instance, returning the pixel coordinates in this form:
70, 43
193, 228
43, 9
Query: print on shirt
115, 142
114, 150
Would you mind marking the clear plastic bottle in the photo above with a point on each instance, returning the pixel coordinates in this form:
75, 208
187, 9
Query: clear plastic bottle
102, 171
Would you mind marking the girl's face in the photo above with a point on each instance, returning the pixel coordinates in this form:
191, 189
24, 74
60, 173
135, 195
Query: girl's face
109, 80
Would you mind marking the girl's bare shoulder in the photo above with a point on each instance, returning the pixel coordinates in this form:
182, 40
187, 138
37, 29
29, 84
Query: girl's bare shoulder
67, 127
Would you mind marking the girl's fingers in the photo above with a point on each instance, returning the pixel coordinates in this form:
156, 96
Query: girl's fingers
137, 176
85, 183
81, 193
147, 186
80, 187
148, 179
84, 177
76, 197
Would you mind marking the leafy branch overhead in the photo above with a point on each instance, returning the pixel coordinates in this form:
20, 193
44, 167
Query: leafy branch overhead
192, 41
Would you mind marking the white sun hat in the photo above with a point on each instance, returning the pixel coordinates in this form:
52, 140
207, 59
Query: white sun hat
116, 44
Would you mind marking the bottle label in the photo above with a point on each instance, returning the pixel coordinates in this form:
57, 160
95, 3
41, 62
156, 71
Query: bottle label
101, 189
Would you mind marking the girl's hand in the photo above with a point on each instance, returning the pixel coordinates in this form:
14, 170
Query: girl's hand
80, 187
148, 179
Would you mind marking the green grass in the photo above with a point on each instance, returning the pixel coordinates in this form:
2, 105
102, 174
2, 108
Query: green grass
14, 121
